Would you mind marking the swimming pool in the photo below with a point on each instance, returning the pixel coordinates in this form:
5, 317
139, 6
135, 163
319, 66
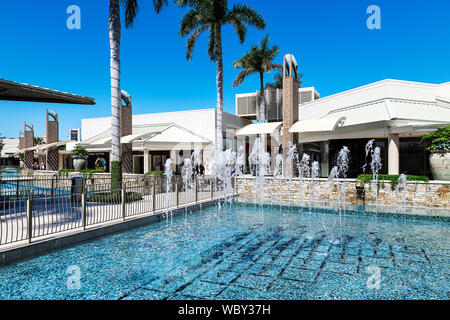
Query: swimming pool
240, 252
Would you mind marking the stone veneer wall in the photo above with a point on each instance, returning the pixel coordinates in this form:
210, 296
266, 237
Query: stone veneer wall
434, 194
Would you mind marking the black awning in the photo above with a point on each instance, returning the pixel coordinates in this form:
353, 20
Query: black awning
14, 91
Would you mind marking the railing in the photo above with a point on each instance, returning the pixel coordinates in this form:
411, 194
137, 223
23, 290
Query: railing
32, 212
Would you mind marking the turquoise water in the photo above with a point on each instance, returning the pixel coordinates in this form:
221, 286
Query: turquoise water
246, 253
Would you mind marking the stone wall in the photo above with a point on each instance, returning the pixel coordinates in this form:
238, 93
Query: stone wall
418, 197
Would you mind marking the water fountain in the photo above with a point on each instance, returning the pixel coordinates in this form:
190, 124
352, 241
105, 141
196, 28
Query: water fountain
342, 160
400, 190
168, 173
259, 160
375, 165
186, 175
291, 159
304, 172
313, 183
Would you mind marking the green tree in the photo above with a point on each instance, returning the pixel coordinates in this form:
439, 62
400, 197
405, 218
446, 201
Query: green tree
278, 82
210, 16
259, 60
38, 141
131, 9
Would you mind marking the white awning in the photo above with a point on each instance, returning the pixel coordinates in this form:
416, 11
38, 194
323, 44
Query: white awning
317, 125
28, 149
52, 145
101, 141
138, 136
259, 128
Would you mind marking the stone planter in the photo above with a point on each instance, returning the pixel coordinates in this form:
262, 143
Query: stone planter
440, 166
79, 164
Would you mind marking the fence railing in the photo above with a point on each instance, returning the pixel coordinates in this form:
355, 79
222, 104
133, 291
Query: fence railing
63, 206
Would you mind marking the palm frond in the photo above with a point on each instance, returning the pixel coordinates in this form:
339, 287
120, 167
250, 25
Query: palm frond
190, 42
191, 21
159, 5
241, 76
274, 66
131, 10
239, 28
247, 15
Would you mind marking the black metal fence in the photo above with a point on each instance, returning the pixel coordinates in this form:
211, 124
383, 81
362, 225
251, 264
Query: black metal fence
31, 208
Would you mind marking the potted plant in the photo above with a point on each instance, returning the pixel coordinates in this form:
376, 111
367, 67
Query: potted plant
79, 156
438, 143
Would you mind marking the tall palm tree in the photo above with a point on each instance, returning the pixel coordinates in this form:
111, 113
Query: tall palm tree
131, 9
259, 59
211, 16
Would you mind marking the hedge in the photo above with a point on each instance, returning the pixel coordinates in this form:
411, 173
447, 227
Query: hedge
393, 178
114, 197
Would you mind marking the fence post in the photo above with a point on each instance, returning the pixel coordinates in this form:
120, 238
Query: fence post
211, 185
154, 197
124, 195
196, 190
17, 189
83, 209
29, 216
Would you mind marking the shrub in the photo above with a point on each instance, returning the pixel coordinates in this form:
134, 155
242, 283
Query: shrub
79, 153
393, 178
438, 141
65, 172
114, 197
153, 173
90, 172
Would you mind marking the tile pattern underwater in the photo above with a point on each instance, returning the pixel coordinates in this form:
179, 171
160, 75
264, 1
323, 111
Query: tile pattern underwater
238, 252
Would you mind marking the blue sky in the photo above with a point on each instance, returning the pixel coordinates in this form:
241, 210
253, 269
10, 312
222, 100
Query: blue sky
335, 50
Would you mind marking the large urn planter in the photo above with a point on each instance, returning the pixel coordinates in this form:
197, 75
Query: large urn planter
440, 165
79, 164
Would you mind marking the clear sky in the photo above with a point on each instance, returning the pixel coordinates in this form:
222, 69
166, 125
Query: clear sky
335, 50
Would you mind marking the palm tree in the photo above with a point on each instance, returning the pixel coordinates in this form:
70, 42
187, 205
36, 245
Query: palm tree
259, 59
131, 9
211, 16
278, 82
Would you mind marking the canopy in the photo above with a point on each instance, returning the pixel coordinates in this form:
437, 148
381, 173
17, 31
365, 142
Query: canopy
317, 125
14, 91
259, 128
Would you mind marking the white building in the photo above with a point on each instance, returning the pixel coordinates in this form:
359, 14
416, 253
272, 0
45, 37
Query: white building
158, 136
395, 113
10, 148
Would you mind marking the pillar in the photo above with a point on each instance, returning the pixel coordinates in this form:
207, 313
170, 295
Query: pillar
146, 161
393, 154
290, 100
324, 156
174, 158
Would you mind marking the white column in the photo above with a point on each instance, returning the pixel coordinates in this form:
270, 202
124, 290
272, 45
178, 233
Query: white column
325, 158
174, 158
393, 154
146, 161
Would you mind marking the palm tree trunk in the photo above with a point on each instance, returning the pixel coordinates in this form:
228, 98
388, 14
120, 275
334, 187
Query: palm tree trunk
114, 43
219, 85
